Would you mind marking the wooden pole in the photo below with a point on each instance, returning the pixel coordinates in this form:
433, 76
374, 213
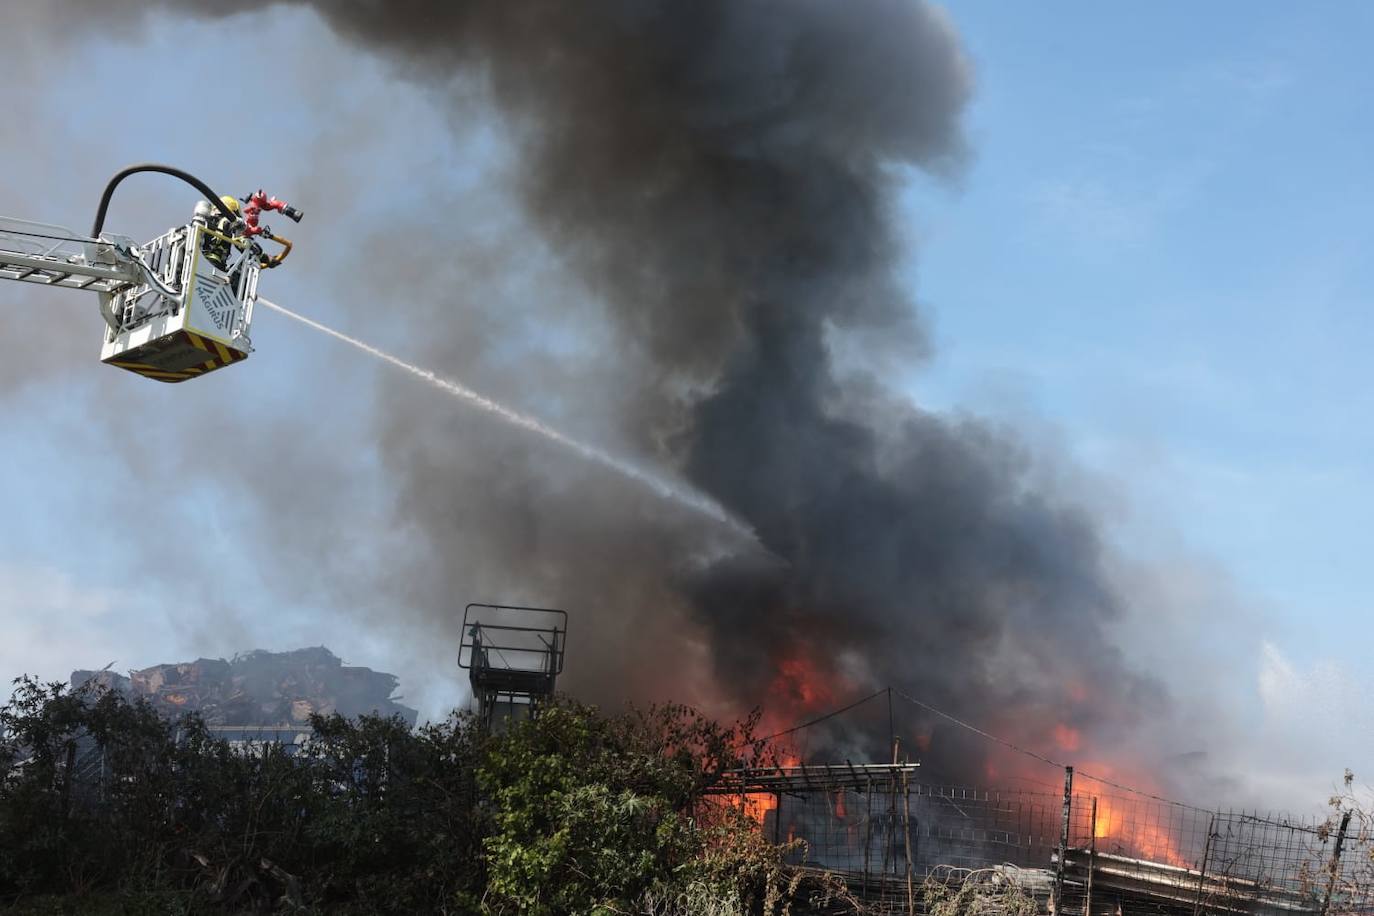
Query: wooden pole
906, 843
1092, 859
891, 820
868, 828
1058, 898
1335, 862
1202, 873
887, 827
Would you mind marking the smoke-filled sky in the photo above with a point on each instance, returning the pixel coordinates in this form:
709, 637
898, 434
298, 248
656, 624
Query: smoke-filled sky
1030, 346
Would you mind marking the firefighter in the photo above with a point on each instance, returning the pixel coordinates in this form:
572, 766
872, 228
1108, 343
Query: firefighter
217, 250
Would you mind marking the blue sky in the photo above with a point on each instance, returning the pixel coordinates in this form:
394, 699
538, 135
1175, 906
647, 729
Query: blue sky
1159, 252
1154, 266
1161, 246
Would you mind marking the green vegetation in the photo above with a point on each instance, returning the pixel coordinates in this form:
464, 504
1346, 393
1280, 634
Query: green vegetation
107, 808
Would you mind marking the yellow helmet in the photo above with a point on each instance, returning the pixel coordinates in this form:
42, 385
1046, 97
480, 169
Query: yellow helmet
231, 202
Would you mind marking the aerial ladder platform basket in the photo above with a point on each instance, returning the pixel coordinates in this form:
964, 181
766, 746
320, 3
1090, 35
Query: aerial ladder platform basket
204, 327
171, 312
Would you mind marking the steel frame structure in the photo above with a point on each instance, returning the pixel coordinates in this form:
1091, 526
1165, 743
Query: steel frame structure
513, 655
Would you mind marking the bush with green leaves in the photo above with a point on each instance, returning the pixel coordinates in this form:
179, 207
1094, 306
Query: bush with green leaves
104, 802
591, 814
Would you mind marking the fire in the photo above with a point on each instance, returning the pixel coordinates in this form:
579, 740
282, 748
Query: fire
1102, 824
1130, 835
803, 685
800, 684
758, 804
1125, 825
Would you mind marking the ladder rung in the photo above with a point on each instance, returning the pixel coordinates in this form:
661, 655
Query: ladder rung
63, 272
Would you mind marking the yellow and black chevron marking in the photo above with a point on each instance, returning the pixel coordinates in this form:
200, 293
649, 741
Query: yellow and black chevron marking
177, 357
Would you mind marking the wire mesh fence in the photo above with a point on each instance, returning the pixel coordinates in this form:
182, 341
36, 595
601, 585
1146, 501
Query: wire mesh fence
1098, 848
875, 828
1130, 852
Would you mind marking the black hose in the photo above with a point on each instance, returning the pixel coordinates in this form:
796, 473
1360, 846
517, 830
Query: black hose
190, 179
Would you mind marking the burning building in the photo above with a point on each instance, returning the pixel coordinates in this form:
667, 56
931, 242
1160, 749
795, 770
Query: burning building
719, 179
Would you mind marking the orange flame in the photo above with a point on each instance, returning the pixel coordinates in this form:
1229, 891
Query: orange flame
801, 686
799, 683
1131, 835
758, 804
1128, 825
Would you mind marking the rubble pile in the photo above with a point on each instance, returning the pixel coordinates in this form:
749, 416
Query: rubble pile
259, 688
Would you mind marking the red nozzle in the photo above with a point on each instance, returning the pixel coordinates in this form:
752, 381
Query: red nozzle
263, 202
259, 201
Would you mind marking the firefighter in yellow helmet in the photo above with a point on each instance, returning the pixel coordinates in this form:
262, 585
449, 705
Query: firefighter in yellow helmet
217, 250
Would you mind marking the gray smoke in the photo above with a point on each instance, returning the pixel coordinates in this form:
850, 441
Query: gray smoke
719, 175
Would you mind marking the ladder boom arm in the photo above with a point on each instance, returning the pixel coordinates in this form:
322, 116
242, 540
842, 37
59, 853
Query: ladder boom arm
53, 255
29, 265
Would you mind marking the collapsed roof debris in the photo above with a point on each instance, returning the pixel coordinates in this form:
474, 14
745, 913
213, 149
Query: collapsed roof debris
259, 688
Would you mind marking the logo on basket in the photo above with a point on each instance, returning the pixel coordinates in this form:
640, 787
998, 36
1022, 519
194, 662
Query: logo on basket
218, 301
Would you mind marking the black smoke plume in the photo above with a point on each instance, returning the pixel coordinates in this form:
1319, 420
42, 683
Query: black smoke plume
720, 176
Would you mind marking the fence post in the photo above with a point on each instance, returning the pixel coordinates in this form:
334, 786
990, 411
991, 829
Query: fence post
892, 829
1206, 855
777, 819
1092, 858
1058, 898
868, 828
906, 830
889, 841
1335, 862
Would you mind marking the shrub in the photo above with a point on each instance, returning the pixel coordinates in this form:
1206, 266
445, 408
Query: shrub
104, 802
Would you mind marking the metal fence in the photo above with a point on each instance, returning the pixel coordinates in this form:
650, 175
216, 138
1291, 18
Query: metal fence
866, 829
1131, 852
1096, 848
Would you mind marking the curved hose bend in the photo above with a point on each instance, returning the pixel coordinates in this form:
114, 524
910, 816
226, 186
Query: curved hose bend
275, 261
187, 177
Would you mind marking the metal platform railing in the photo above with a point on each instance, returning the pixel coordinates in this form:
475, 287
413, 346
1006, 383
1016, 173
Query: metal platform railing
513, 655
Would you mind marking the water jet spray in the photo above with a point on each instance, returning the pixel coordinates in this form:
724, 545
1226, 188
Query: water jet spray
667, 489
